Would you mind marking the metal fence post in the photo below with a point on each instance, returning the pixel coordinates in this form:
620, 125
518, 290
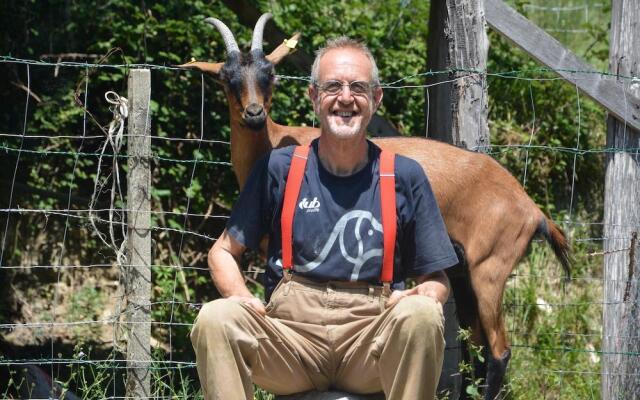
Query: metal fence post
138, 270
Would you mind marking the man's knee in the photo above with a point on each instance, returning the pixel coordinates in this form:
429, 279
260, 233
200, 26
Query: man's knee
216, 316
419, 314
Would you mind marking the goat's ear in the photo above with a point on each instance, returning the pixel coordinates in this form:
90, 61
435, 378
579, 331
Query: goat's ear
208, 68
284, 49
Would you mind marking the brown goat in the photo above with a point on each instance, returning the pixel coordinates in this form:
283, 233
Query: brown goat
489, 217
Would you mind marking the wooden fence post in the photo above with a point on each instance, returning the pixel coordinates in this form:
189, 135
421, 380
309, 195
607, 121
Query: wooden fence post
138, 270
458, 110
457, 113
621, 310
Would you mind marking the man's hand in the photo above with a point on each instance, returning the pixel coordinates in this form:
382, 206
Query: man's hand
395, 297
435, 285
398, 295
252, 302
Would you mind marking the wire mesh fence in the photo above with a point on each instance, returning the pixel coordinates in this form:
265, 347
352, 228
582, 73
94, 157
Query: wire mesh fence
64, 230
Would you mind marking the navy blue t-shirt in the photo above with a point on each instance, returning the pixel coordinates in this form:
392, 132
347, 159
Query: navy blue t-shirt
337, 230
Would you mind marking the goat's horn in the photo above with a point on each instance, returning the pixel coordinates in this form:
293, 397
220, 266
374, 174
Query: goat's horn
227, 36
256, 41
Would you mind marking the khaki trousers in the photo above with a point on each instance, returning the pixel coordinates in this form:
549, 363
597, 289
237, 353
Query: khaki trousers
319, 336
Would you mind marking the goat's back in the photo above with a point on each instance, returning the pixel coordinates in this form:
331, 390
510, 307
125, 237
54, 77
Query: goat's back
483, 205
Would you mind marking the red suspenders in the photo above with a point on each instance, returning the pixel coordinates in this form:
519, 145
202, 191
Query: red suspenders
388, 211
291, 192
387, 205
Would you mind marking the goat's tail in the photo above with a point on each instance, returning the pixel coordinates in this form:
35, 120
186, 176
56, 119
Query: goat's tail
558, 241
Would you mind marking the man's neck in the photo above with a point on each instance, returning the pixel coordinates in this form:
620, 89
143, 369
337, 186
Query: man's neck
343, 157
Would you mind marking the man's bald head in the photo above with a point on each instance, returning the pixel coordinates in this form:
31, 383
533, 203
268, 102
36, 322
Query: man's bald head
344, 42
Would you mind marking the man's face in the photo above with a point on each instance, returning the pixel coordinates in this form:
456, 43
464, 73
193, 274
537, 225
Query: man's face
347, 113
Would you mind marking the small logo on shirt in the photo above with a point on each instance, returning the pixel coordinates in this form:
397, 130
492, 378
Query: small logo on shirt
310, 206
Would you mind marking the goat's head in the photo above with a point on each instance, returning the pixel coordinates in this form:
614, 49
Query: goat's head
247, 78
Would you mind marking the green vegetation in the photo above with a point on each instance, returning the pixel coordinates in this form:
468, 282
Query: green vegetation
86, 305
473, 382
555, 328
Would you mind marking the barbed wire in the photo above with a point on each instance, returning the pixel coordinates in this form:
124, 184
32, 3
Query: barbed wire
544, 307
500, 149
90, 266
70, 361
128, 135
120, 223
192, 364
70, 213
74, 154
555, 9
501, 74
65, 211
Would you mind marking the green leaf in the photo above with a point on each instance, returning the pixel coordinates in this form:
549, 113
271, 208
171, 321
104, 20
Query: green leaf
472, 391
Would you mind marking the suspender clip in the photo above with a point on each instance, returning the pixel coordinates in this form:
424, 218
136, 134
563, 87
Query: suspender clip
386, 288
286, 274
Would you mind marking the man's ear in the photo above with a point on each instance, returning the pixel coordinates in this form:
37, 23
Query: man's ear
212, 69
284, 49
377, 96
312, 91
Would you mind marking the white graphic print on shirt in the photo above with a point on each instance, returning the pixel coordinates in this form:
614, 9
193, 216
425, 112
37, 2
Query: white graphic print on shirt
338, 233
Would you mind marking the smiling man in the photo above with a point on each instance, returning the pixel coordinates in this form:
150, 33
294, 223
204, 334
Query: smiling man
347, 224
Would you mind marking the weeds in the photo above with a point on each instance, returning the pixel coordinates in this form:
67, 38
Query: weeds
467, 369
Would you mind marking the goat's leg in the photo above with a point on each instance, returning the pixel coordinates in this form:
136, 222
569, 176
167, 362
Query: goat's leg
496, 369
488, 281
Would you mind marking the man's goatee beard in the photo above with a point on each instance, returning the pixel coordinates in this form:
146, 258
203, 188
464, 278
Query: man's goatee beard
344, 131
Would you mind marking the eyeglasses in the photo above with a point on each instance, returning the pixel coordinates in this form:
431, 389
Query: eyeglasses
357, 88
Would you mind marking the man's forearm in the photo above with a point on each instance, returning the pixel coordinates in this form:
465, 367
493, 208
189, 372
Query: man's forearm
224, 267
226, 275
